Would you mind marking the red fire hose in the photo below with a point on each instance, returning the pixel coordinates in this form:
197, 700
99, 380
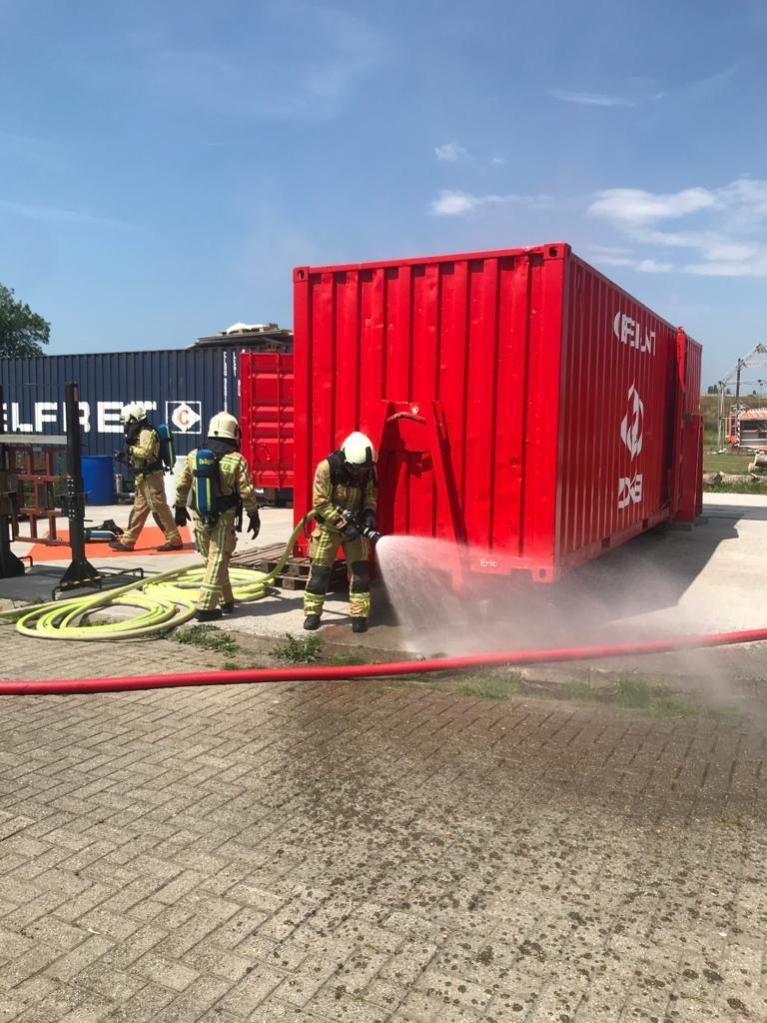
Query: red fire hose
369, 671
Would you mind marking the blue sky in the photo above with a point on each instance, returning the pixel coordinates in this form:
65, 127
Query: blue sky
163, 166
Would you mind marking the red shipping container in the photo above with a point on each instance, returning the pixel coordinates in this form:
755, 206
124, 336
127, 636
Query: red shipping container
522, 403
266, 417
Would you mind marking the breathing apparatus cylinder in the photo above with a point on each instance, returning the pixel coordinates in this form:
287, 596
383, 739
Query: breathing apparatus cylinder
205, 474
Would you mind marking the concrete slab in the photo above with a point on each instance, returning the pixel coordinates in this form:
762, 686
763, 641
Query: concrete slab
276, 525
703, 579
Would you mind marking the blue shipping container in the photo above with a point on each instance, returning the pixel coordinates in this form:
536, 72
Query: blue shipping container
183, 388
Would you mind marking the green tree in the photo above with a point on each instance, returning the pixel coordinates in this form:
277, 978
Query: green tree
22, 332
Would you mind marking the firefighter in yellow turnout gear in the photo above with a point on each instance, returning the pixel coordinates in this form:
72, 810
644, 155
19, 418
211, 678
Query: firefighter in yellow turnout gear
222, 486
344, 482
143, 455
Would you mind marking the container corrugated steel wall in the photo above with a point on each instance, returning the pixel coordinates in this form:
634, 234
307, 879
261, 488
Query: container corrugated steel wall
266, 402
182, 387
617, 405
542, 403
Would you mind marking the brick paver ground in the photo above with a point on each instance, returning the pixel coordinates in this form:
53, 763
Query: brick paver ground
373, 853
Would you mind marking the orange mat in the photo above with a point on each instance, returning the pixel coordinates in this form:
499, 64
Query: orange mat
151, 537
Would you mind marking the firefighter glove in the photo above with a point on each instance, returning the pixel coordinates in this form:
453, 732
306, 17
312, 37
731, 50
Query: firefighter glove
121, 457
369, 519
254, 524
350, 532
181, 516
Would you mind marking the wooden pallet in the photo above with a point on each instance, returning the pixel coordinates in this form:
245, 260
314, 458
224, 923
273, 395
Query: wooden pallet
295, 573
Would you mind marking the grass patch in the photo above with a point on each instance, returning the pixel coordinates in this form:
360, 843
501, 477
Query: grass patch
206, 637
714, 461
344, 660
490, 687
305, 650
752, 487
635, 694
726, 711
584, 693
477, 686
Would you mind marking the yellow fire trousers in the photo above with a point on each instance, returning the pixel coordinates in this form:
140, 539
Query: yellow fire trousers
216, 545
150, 498
323, 550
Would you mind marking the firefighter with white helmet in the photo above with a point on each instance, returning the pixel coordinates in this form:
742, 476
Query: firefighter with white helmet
215, 483
142, 443
345, 499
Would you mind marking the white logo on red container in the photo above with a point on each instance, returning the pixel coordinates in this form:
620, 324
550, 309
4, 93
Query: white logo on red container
632, 423
632, 433
630, 490
630, 332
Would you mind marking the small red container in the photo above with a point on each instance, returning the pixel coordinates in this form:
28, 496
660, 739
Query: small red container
522, 403
266, 417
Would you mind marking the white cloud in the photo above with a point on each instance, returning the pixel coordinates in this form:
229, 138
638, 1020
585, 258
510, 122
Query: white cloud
652, 266
730, 268
613, 260
453, 203
328, 57
635, 206
706, 87
606, 255
450, 152
454, 152
591, 99
58, 215
727, 229
748, 196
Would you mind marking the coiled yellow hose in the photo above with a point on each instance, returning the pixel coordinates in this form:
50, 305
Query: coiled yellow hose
163, 602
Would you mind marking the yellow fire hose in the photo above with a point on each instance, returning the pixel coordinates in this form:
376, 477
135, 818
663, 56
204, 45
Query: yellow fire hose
164, 601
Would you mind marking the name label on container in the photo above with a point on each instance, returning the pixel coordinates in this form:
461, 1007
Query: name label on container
100, 417
630, 332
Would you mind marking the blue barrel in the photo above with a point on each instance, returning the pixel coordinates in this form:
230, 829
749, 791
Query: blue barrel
98, 480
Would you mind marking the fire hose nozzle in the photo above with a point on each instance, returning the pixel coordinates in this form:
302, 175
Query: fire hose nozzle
370, 534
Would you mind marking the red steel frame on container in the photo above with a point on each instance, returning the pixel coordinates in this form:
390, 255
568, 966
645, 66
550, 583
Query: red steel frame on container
523, 404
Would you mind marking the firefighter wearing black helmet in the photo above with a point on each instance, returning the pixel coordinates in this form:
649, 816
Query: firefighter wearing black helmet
344, 484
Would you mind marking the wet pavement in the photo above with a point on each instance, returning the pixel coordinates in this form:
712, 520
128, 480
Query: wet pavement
571, 846
373, 852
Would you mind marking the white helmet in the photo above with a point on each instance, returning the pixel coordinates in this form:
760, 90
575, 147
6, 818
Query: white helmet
358, 449
223, 424
133, 413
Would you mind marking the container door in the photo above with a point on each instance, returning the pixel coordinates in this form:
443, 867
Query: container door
266, 417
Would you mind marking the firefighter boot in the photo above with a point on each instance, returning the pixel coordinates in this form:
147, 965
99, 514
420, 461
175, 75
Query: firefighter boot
359, 625
311, 622
118, 545
171, 545
208, 614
